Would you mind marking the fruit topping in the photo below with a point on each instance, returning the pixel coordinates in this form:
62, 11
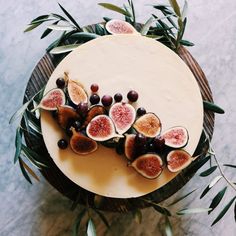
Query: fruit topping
158, 144
176, 137
107, 100
148, 165
118, 97
178, 160
141, 111
149, 125
132, 96
62, 144
94, 88
60, 82
94, 99
123, 116
82, 109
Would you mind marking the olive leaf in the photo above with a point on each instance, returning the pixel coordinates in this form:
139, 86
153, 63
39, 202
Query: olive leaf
208, 171
186, 43
212, 107
59, 17
235, 212
192, 211
175, 7
56, 42
147, 26
215, 180
161, 210
76, 225
42, 17
185, 9
61, 27
31, 27
115, 8
91, 231
216, 200
19, 112
168, 227
223, 212
30, 171
99, 30
64, 49
46, 33
84, 36
133, 10
25, 174
230, 165
18, 144
137, 214
103, 218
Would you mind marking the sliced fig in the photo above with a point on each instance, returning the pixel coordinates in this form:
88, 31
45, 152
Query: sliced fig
149, 125
101, 128
52, 100
120, 27
66, 115
148, 165
94, 111
76, 92
130, 146
178, 160
176, 137
123, 116
80, 144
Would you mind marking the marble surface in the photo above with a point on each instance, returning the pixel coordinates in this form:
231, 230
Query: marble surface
39, 209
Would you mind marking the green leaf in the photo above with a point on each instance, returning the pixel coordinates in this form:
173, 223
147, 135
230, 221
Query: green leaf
235, 212
103, 218
59, 17
212, 107
223, 212
107, 19
137, 214
64, 49
84, 36
31, 27
76, 225
215, 180
99, 30
168, 227
175, 7
42, 17
45, 33
147, 26
18, 144
185, 9
208, 171
19, 112
115, 8
186, 43
161, 210
133, 10
192, 211
70, 17
205, 191
229, 165
181, 198
56, 42
61, 27
216, 200
24, 171
91, 231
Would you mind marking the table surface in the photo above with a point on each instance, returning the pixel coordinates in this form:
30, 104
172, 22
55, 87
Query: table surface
41, 210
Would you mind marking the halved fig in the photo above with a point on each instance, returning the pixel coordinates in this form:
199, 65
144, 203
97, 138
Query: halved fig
94, 111
148, 165
76, 92
178, 160
176, 137
130, 146
120, 27
80, 144
52, 100
123, 116
66, 115
101, 128
149, 125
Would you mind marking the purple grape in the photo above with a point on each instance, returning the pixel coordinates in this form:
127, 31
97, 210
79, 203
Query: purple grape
94, 88
61, 82
107, 100
82, 108
141, 111
94, 99
132, 96
77, 125
140, 140
158, 143
62, 144
118, 97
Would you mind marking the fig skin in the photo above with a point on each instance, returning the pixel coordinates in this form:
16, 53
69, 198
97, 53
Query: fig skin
130, 146
66, 115
81, 144
177, 160
173, 137
148, 124
149, 165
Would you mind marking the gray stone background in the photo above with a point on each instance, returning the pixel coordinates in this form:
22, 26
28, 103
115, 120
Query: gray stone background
41, 210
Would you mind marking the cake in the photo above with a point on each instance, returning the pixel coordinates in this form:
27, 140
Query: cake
119, 64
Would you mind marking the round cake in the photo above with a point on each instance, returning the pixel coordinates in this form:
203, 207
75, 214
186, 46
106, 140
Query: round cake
119, 64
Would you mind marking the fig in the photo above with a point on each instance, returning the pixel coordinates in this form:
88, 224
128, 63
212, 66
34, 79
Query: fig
94, 111
76, 92
120, 27
148, 124
81, 144
148, 165
52, 100
130, 146
178, 160
66, 115
123, 116
101, 128
176, 137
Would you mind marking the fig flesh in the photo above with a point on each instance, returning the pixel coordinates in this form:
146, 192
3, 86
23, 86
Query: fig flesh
66, 115
76, 92
123, 116
101, 128
176, 137
178, 160
53, 99
148, 165
82, 145
120, 27
149, 125
130, 146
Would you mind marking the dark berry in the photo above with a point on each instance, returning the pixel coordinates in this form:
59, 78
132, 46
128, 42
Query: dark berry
140, 140
158, 143
94, 88
132, 96
69, 131
60, 82
150, 147
82, 108
77, 125
141, 111
107, 100
94, 99
118, 97
54, 114
62, 144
